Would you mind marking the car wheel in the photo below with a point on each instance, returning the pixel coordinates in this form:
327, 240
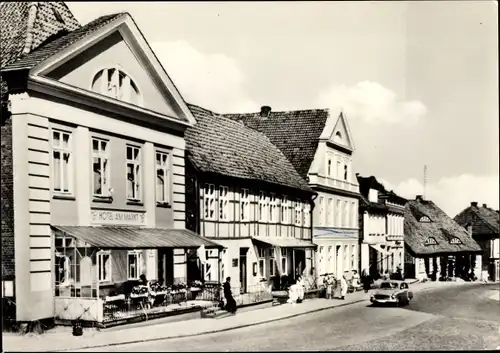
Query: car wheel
398, 302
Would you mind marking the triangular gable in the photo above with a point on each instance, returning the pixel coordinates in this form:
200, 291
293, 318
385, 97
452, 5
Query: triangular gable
131, 35
341, 134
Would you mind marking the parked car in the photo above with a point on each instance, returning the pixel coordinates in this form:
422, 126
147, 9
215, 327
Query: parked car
392, 292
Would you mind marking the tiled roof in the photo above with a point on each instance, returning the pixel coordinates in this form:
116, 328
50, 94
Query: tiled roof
26, 25
63, 41
217, 144
367, 183
295, 133
442, 228
484, 220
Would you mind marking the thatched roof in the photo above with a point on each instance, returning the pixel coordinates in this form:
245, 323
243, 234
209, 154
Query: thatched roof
429, 231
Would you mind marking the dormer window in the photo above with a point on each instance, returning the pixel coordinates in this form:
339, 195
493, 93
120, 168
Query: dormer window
430, 241
455, 241
424, 219
115, 83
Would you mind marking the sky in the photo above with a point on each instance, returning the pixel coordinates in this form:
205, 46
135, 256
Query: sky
417, 81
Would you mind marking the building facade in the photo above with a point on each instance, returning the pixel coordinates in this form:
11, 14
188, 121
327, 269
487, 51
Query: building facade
244, 194
381, 222
483, 224
436, 246
96, 135
320, 147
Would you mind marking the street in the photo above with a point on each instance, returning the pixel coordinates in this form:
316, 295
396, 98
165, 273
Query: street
463, 317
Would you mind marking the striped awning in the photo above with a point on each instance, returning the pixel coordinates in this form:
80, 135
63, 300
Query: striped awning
285, 242
136, 238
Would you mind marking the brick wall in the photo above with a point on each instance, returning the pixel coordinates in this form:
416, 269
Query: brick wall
7, 200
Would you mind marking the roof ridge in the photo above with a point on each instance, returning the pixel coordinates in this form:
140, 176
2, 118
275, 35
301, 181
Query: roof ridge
283, 111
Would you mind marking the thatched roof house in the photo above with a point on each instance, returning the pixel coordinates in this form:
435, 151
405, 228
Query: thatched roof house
430, 232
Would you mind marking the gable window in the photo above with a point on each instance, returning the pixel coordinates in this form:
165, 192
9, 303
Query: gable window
115, 83
62, 162
298, 213
104, 266
307, 215
223, 203
100, 161
262, 262
338, 136
245, 205
162, 177
209, 201
285, 214
134, 264
272, 262
263, 205
133, 173
273, 209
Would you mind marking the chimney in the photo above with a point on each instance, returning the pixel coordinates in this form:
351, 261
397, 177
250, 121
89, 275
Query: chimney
485, 205
473, 204
419, 198
265, 110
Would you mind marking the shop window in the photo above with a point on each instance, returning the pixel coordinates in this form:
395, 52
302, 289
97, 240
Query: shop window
162, 178
223, 203
134, 262
133, 173
284, 260
209, 201
62, 162
104, 266
272, 262
262, 262
245, 205
100, 160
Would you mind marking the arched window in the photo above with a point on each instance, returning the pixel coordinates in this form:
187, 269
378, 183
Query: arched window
338, 136
115, 83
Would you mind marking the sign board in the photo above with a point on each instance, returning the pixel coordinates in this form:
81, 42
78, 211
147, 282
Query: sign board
7, 289
235, 262
126, 218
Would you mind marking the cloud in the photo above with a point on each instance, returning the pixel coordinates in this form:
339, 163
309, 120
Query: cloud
452, 194
370, 102
213, 81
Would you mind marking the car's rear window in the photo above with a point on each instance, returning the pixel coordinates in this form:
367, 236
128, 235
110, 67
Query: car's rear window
388, 285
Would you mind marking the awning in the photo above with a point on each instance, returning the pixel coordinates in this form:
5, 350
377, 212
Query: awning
136, 238
379, 248
285, 242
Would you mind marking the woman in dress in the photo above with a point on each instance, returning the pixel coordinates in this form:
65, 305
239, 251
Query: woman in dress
230, 302
343, 287
367, 281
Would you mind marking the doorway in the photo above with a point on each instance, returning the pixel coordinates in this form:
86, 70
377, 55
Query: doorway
166, 266
243, 270
299, 257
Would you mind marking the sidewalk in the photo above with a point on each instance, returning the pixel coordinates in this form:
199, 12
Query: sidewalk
60, 341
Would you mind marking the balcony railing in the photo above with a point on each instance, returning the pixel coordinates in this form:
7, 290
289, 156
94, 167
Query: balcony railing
332, 182
394, 237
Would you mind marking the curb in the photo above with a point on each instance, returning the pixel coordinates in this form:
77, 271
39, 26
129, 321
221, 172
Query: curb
208, 332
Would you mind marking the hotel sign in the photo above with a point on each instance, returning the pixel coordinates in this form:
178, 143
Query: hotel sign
126, 218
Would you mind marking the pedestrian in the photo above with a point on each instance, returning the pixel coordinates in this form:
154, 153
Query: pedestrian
230, 302
366, 280
329, 286
343, 287
300, 289
356, 283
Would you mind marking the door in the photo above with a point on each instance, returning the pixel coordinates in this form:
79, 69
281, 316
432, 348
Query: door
243, 270
166, 266
299, 262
